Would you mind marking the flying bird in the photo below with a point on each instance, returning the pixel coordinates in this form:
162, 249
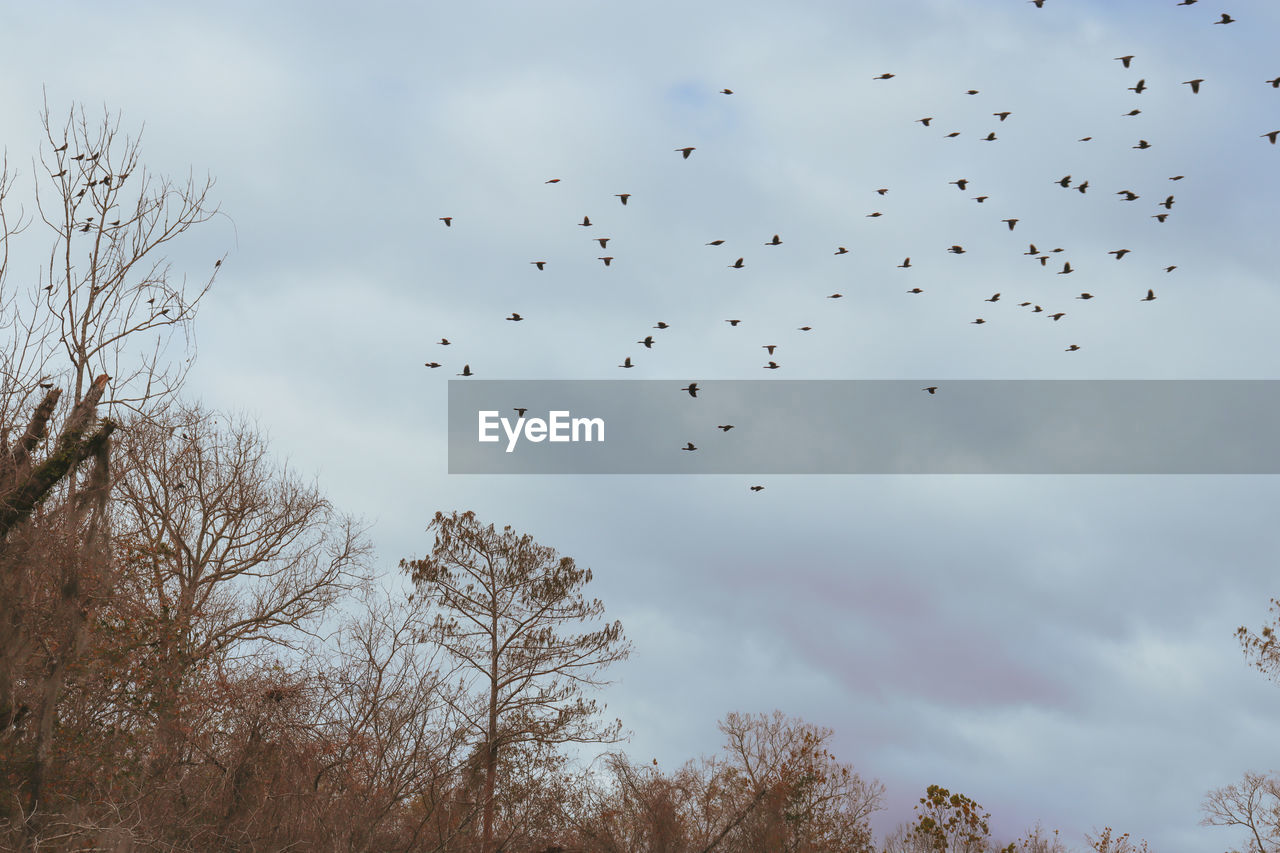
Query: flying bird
519, 411
925, 121
835, 296
773, 365
1167, 204
726, 91
1150, 297
994, 298
662, 325
978, 321
1142, 144
586, 222
990, 137
1171, 268
1226, 19
1003, 115
602, 241
932, 389
885, 76
953, 134
1272, 136
1085, 296
1125, 59
1119, 253
515, 316
1072, 348
626, 362
962, 183
444, 342
1084, 186
715, 243
608, 259
1275, 84
686, 151
737, 265
447, 220
623, 196
1129, 195
956, 250
1010, 223
1066, 268
539, 264
1058, 316
915, 290
1161, 217
1064, 181
733, 322
1194, 84
1133, 112
432, 364
466, 370
906, 264
648, 342
841, 251
692, 388
1138, 89
769, 347
552, 181
776, 241
688, 446
724, 427
757, 488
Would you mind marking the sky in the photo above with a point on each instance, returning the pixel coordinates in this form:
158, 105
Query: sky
1060, 648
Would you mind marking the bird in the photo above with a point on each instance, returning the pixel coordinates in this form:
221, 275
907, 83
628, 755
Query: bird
1129, 195
1177, 177
1167, 204
662, 325
539, 264
1037, 310
981, 198
995, 297
924, 121
1066, 268
769, 347
1064, 181
1085, 296
773, 365
1119, 253
1272, 136
447, 220
519, 411
971, 92
1039, 4
1084, 139
1142, 84
686, 151
586, 222
431, 364
978, 321
603, 241
776, 241
962, 183
1132, 113
60, 150
953, 134
915, 290
608, 259
692, 388
1058, 316
1226, 19
648, 342
873, 215
626, 362
1171, 268
515, 316
841, 250
552, 181
60, 174
1275, 84
882, 190
990, 137
956, 250
726, 91
932, 389
78, 157
1186, 3
1084, 186
1150, 297
805, 329
737, 265
885, 76
688, 446
906, 264
716, 243
1194, 84
724, 427
623, 196
1010, 223
1160, 217
444, 342
466, 370
1072, 348
757, 488
1032, 250
1003, 115
733, 322
1125, 59
836, 296
1142, 144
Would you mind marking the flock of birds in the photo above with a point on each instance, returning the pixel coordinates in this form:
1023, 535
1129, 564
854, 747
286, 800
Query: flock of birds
1043, 257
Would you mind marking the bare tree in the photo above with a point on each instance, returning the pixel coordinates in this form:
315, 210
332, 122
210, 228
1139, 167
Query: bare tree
1252, 803
505, 603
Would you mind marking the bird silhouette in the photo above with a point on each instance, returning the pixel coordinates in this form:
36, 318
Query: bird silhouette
1125, 59
915, 290
1085, 296
447, 220
539, 264
962, 183
1129, 195
1142, 144
662, 325
1275, 84
516, 317
776, 241
444, 342
990, 137
1083, 187
626, 362
726, 91
1133, 113
623, 196
773, 365
1072, 348
757, 488
1225, 19
1003, 115
1194, 84
716, 243
1160, 217
841, 250
687, 151
769, 347
466, 370
432, 364
925, 121
885, 76
689, 446
737, 265
603, 241
956, 250
806, 329
1167, 204
552, 181
648, 342
692, 388
608, 259
1119, 253
932, 389
1150, 297
978, 321
873, 215
995, 297
953, 134
586, 222
1171, 268
1066, 268
733, 322
1010, 223
836, 296
1138, 89
1058, 316
1064, 181
1272, 136
906, 264
724, 427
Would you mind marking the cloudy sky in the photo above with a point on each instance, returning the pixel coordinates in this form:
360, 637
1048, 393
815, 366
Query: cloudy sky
1059, 648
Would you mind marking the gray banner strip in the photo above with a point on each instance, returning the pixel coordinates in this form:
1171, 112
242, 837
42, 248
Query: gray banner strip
864, 427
